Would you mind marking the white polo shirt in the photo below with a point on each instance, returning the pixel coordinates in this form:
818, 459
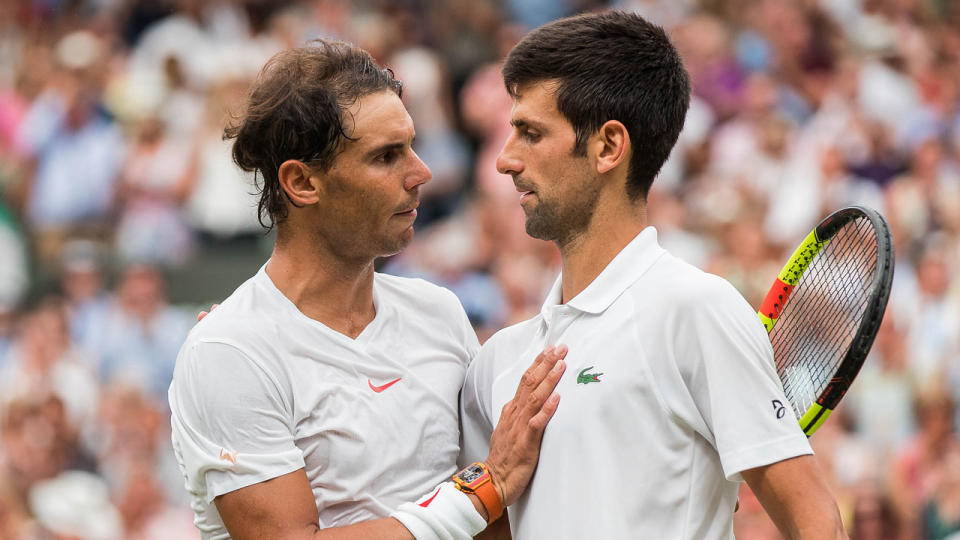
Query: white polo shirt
669, 393
261, 390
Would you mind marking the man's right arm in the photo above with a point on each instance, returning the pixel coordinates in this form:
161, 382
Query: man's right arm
284, 507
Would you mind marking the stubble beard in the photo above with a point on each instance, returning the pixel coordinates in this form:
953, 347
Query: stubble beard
562, 223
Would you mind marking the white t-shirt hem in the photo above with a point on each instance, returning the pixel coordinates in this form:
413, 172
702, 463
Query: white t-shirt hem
215, 488
760, 455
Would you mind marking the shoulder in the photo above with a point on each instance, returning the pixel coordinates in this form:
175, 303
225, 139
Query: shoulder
680, 286
248, 315
241, 334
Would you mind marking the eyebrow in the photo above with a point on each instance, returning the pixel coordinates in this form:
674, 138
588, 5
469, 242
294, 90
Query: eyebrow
388, 147
520, 123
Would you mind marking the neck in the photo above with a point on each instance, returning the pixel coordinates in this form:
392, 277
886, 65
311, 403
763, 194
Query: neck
324, 287
587, 254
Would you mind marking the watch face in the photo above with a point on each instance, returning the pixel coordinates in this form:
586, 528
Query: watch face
470, 474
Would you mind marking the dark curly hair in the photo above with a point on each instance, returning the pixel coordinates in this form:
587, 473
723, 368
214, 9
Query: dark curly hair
295, 110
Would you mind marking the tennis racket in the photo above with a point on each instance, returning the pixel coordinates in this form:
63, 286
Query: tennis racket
825, 307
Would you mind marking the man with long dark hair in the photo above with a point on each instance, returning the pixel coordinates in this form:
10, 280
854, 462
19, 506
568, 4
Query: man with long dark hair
321, 396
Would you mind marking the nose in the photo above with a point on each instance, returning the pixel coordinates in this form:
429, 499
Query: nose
508, 161
420, 173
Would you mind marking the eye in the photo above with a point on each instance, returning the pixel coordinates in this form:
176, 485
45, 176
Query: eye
528, 135
387, 157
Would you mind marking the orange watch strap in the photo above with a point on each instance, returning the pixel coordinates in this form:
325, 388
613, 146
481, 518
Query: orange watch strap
490, 499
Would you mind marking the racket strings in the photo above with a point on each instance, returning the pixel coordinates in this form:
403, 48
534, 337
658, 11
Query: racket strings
816, 355
848, 289
809, 377
824, 312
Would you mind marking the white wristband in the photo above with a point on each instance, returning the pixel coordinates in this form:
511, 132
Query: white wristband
446, 513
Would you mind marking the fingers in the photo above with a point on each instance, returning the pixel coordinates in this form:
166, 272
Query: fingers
538, 422
540, 369
515, 442
541, 366
203, 314
543, 401
539, 395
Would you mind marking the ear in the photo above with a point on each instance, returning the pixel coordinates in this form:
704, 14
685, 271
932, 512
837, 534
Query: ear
612, 144
295, 180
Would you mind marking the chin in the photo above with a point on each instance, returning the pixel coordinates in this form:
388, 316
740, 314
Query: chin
398, 244
539, 229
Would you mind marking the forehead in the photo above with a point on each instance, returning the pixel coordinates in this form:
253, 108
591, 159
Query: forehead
536, 103
377, 119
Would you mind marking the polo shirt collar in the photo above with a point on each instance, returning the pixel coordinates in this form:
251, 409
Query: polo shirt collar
625, 269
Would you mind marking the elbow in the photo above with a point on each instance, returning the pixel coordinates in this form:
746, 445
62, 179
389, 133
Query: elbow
828, 526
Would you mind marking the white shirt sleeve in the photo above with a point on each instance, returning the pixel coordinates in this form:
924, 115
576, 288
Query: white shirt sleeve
727, 363
232, 425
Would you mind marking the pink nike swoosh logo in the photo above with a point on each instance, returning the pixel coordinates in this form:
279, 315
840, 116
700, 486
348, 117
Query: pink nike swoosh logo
427, 502
379, 389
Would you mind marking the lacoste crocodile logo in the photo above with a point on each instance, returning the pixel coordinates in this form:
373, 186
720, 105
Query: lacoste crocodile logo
585, 378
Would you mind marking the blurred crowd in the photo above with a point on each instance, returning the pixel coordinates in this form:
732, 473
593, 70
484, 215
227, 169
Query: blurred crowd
113, 171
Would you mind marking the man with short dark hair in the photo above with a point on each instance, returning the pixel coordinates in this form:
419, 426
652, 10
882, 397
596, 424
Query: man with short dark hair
321, 397
667, 406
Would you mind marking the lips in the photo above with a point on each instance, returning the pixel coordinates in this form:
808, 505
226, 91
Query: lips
410, 210
525, 192
523, 188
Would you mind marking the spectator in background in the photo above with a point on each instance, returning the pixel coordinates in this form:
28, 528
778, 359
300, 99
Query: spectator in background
881, 399
933, 330
75, 149
82, 282
221, 204
39, 441
914, 469
75, 504
155, 180
138, 342
941, 512
43, 362
874, 517
134, 456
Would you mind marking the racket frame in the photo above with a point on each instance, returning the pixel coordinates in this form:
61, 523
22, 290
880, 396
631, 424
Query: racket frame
790, 275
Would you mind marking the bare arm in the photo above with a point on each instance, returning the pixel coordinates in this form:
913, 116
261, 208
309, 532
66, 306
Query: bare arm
283, 508
794, 493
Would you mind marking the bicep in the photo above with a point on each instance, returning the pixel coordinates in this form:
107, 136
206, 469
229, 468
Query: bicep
795, 494
282, 508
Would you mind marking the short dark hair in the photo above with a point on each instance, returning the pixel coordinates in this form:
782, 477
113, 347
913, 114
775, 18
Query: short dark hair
295, 110
610, 66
